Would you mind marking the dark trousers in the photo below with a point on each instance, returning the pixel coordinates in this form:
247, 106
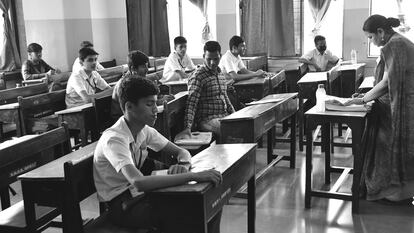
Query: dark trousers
136, 212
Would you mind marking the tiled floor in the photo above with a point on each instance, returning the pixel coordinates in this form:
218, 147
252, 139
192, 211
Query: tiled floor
280, 205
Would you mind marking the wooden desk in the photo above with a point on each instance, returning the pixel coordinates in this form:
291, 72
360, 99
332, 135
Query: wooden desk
45, 185
252, 89
9, 113
195, 204
277, 83
256, 62
367, 84
81, 118
249, 124
351, 77
354, 120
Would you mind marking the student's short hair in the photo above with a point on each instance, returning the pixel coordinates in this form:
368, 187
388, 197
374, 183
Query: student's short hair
84, 52
179, 40
235, 41
86, 44
137, 58
212, 46
34, 47
318, 38
133, 88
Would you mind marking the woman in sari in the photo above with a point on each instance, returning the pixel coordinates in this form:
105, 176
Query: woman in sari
388, 142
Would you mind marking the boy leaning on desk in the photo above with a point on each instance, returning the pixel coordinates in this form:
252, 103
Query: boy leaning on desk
122, 169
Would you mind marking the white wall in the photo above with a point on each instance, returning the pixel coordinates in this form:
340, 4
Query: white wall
60, 25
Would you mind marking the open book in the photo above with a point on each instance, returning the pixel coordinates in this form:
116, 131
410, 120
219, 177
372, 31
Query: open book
197, 139
334, 103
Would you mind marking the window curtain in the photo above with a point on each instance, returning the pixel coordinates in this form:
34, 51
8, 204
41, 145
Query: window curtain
148, 27
202, 5
318, 9
9, 56
268, 27
401, 16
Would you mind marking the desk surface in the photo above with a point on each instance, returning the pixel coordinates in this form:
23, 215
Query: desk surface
350, 66
219, 156
74, 109
313, 111
54, 169
9, 106
311, 77
368, 82
15, 141
252, 81
254, 111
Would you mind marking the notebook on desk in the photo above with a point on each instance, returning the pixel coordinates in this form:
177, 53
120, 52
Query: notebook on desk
197, 139
334, 103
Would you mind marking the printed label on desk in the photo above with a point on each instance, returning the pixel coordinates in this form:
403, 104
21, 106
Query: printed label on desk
23, 169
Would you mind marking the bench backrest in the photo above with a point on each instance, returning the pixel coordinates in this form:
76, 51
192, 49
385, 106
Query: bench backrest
10, 95
159, 63
29, 154
173, 119
256, 63
80, 185
39, 106
102, 103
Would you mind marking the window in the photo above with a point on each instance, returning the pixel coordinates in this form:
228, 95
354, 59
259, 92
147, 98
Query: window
186, 19
331, 27
390, 9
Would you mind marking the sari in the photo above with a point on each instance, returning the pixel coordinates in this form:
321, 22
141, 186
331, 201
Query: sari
388, 140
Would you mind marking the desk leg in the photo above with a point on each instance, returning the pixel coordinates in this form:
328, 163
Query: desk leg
29, 206
270, 141
326, 142
83, 131
300, 122
5, 197
308, 183
293, 141
358, 165
251, 205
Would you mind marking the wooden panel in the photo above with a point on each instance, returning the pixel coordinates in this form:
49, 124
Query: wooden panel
252, 89
10, 95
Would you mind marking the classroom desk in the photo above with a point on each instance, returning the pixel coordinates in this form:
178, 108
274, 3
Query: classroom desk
367, 84
354, 120
249, 124
45, 185
351, 77
81, 118
20, 166
277, 82
195, 204
307, 87
252, 89
9, 113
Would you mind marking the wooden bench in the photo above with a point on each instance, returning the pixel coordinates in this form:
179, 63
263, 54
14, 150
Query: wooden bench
22, 155
9, 109
108, 64
294, 72
9, 79
102, 105
80, 185
255, 63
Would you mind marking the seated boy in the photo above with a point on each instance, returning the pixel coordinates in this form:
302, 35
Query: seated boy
121, 166
178, 63
207, 101
35, 67
137, 67
85, 82
77, 65
232, 65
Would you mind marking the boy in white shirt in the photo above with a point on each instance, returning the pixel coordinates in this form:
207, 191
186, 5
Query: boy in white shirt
77, 65
85, 82
231, 64
122, 169
178, 63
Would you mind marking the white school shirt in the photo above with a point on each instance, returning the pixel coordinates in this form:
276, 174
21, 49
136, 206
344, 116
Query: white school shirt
115, 150
80, 81
77, 65
230, 63
173, 63
320, 59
